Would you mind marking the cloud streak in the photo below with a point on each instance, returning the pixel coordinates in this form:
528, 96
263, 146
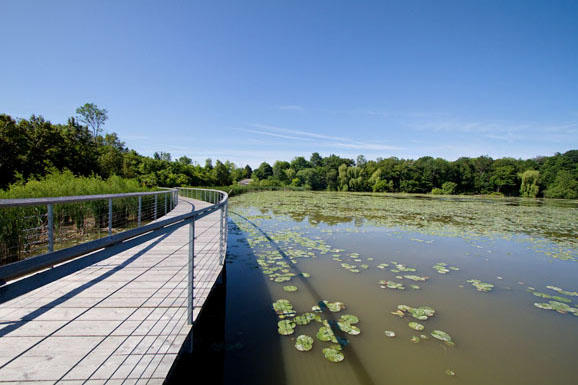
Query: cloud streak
319, 139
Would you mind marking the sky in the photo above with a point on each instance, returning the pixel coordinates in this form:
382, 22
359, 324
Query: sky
252, 81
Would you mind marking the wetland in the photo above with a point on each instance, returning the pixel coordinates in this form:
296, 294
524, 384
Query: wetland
357, 288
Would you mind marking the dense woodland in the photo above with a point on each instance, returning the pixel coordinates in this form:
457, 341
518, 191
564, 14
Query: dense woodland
32, 148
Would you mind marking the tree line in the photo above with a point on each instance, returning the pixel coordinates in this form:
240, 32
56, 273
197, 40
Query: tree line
32, 148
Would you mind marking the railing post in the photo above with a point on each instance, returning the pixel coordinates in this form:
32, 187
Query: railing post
155, 214
139, 210
166, 203
50, 228
110, 216
191, 271
221, 230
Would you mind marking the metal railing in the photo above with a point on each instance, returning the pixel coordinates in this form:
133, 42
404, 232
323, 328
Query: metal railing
218, 200
30, 227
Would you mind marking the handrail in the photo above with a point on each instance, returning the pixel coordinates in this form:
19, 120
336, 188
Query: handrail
75, 198
33, 264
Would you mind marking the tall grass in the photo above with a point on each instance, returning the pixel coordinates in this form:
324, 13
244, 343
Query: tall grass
23, 230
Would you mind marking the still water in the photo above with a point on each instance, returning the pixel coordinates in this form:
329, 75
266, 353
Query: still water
339, 246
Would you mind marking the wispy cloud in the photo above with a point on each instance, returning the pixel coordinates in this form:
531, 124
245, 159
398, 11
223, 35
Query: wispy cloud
319, 139
291, 107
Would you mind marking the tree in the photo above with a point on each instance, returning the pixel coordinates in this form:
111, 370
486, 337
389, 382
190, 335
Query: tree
93, 117
529, 187
264, 171
565, 186
247, 171
185, 160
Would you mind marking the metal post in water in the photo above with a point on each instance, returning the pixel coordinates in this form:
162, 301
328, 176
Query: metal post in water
50, 228
110, 216
155, 214
139, 210
191, 269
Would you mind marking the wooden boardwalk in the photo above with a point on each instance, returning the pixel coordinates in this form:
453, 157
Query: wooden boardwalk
122, 319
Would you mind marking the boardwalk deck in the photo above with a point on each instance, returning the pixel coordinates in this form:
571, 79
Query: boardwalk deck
121, 319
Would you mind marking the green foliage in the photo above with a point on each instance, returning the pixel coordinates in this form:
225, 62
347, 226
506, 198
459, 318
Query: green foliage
530, 187
565, 186
93, 117
83, 219
33, 148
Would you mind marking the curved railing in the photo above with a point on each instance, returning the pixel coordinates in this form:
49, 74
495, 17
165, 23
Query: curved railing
111, 216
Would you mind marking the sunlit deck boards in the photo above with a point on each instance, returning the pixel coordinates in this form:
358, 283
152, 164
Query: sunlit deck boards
120, 320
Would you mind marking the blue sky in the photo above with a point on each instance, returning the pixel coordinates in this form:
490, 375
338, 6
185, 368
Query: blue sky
250, 81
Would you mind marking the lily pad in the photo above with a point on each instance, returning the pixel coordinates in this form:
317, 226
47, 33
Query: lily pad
290, 288
416, 326
350, 318
450, 372
283, 308
325, 334
305, 275
481, 286
415, 339
286, 327
304, 343
389, 333
304, 319
442, 336
333, 355
391, 285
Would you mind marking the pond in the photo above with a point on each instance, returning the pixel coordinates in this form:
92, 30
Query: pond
417, 290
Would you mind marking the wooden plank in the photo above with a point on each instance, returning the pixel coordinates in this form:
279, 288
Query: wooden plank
123, 318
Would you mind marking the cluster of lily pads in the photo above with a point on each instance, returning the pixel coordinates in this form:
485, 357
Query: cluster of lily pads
444, 268
559, 304
481, 286
289, 320
420, 313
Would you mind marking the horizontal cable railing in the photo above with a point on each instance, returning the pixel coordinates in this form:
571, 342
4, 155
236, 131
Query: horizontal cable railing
33, 226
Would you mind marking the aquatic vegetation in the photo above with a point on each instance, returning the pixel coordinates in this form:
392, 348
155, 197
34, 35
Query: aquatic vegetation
481, 286
391, 285
325, 334
443, 268
559, 307
283, 308
442, 336
333, 355
562, 291
382, 266
389, 333
421, 313
450, 372
548, 296
349, 318
290, 288
414, 286
305, 275
286, 327
416, 278
416, 326
304, 319
346, 327
304, 343
415, 339
548, 228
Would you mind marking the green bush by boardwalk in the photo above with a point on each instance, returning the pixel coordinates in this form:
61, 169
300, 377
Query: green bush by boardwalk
22, 229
